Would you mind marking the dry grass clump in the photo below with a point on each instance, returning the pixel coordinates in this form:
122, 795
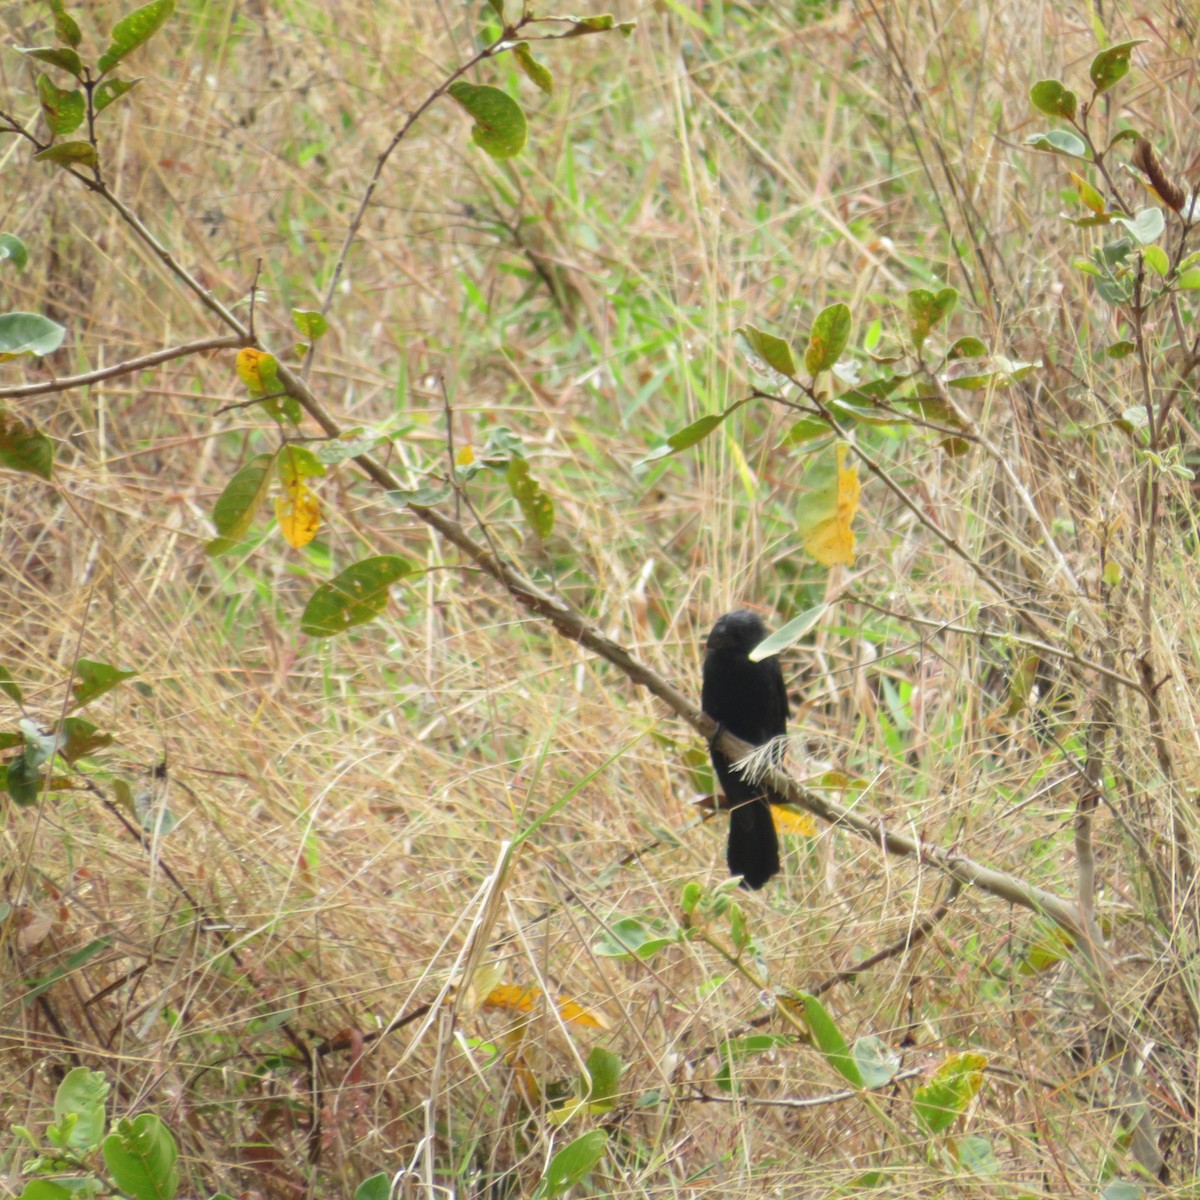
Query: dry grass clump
376, 831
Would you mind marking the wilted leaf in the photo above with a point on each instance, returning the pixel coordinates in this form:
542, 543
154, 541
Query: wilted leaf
298, 512
826, 510
63, 109
258, 370
24, 449
534, 70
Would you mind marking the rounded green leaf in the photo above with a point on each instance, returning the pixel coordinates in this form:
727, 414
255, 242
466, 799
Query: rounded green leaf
1156, 259
29, 333
877, 1061
1052, 98
374, 1187
310, 323
1146, 225
1112, 64
63, 108
358, 595
24, 449
12, 248
82, 1094
775, 352
1058, 141
23, 782
830, 334
572, 1163
141, 1156
499, 122
66, 29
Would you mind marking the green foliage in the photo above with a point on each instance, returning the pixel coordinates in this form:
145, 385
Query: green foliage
572, 1164
355, 596
500, 127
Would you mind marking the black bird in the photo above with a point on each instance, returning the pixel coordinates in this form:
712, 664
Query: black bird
750, 701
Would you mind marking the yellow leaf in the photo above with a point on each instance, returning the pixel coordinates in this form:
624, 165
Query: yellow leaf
828, 508
299, 515
513, 998
256, 369
465, 457
792, 820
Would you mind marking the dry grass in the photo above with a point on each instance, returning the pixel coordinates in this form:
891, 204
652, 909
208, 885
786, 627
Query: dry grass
343, 804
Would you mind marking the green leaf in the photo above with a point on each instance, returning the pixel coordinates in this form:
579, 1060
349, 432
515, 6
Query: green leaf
1156, 259
310, 323
877, 1061
23, 449
604, 1071
294, 463
63, 108
1058, 141
806, 429
23, 782
938, 1103
689, 435
975, 1154
536, 505
65, 27
499, 122
141, 1157
787, 635
1052, 98
421, 497
830, 334
631, 938
1146, 225
736, 1049
928, 309
110, 90
236, 506
775, 352
1120, 349
13, 249
350, 444
29, 333
82, 1094
56, 56
967, 347
93, 679
8, 685
1111, 65
828, 1039
572, 1163
997, 371
374, 1187
47, 1189
1122, 1189
131, 31
354, 597
1189, 281
68, 154
534, 70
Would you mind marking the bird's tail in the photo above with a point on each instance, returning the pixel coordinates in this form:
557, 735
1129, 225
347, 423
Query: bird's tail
753, 851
